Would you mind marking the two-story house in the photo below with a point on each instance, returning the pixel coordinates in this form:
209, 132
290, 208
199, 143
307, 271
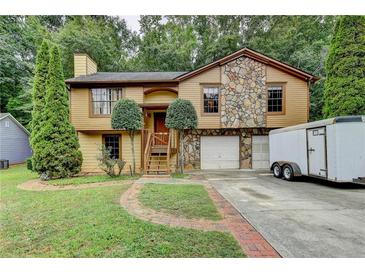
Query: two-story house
238, 99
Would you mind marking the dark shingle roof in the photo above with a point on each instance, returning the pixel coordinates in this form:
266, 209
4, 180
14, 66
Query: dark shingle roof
126, 77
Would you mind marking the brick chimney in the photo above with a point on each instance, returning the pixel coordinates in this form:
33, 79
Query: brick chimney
84, 65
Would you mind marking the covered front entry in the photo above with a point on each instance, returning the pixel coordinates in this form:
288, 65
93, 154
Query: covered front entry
219, 152
160, 128
159, 144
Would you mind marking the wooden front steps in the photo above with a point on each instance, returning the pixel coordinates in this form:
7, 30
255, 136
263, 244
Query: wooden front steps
157, 163
158, 148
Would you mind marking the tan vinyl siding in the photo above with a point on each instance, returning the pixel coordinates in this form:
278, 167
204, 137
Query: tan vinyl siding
296, 99
79, 65
91, 66
80, 113
80, 109
135, 93
162, 97
84, 65
190, 89
127, 151
90, 143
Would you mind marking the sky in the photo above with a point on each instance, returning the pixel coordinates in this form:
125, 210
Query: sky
132, 21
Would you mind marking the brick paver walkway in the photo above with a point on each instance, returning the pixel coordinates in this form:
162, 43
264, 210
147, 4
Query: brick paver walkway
252, 243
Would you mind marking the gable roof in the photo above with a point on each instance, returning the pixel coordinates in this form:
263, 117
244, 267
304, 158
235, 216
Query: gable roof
256, 56
120, 77
4, 115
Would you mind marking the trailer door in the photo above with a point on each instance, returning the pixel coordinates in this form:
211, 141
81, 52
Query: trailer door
316, 146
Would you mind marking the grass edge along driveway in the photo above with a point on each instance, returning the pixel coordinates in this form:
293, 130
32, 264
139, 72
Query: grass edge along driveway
91, 223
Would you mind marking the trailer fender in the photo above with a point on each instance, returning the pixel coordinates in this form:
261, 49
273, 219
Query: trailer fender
294, 166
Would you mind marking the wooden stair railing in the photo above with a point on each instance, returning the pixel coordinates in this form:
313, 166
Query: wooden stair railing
147, 151
158, 150
168, 152
160, 139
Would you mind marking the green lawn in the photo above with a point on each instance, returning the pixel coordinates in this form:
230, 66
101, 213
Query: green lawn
88, 180
91, 223
180, 176
190, 201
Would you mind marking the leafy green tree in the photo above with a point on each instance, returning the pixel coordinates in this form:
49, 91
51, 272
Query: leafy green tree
181, 115
344, 92
169, 47
20, 38
39, 101
59, 147
106, 39
127, 115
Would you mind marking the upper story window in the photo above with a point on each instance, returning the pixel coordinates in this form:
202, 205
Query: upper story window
275, 103
210, 99
104, 99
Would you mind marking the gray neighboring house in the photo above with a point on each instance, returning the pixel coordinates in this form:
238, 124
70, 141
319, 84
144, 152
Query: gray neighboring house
14, 140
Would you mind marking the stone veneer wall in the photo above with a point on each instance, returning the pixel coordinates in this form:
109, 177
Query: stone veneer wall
192, 144
243, 94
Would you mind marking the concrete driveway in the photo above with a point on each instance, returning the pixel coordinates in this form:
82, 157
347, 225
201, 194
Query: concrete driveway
305, 218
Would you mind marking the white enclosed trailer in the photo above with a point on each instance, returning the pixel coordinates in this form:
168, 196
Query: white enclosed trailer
331, 149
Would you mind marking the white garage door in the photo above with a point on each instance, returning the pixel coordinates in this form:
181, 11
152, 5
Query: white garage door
219, 152
260, 152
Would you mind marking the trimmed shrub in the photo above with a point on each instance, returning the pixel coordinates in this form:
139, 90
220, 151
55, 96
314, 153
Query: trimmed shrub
344, 92
112, 167
127, 115
181, 115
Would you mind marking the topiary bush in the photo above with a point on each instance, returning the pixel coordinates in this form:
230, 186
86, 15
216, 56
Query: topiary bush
181, 115
127, 115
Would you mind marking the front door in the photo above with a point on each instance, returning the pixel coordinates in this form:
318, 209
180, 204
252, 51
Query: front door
160, 127
317, 164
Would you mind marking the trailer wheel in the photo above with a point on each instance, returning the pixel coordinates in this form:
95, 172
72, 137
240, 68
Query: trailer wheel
288, 173
276, 168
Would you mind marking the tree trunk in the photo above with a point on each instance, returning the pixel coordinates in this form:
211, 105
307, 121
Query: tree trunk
181, 156
131, 135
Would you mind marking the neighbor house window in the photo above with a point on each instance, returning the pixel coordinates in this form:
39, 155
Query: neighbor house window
275, 98
111, 142
104, 99
210, 99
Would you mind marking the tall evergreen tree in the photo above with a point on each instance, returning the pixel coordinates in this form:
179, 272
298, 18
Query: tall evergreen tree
59, 147
344, 92
39, 99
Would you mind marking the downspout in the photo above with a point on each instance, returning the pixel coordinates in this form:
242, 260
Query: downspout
68, 87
